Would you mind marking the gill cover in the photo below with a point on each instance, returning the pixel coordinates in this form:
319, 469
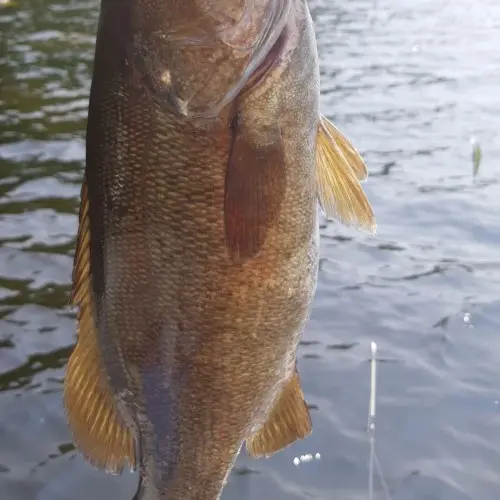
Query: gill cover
217, 58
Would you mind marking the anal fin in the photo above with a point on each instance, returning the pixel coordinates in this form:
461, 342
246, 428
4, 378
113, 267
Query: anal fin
90, 407
254, 189
288, 421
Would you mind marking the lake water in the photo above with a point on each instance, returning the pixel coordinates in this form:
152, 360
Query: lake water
410, 82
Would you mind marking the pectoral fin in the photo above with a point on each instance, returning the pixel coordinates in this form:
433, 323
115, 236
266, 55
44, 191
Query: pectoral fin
92, 415
254, 189
289, 420
339, 169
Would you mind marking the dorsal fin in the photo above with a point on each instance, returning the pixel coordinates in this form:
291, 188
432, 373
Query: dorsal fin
94, 421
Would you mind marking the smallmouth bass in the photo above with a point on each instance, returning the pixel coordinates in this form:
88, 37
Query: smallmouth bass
198, 241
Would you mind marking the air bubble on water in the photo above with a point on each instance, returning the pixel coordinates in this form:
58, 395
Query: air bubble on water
467, 320
308, 457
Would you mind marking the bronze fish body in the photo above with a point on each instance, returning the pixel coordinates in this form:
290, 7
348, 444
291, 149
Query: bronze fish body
197, 250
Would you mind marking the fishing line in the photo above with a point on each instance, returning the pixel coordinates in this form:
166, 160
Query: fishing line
374, 461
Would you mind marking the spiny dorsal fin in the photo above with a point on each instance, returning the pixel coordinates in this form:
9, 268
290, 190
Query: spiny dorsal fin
288, 421
92, 415
339, 169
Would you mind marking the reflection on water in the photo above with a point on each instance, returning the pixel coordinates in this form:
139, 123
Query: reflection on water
410, 83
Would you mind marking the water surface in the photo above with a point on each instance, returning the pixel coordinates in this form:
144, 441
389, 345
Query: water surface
410, 82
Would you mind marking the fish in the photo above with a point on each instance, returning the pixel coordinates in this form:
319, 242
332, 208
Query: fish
196, 260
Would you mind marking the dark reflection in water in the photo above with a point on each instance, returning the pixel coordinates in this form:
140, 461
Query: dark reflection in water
22, 375
411, 83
